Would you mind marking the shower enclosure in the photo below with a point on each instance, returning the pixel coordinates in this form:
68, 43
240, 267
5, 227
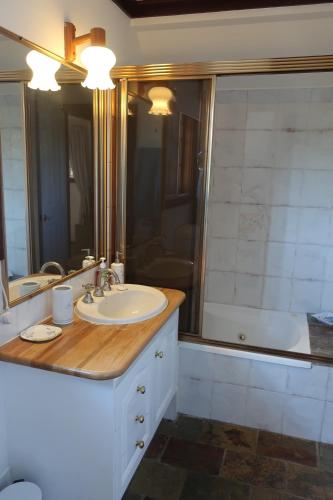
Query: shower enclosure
162, 177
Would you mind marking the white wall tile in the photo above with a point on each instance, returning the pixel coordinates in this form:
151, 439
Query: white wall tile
328, 263
260, 148
306, 382
230, 116
231, 369
220, 287
317, 188
228, 148
194, 397
283, 223
286, 185
196, 364
228, 403
250, 257
264, 409
306, 296
227, 184
313, 226
224, 220
221, 254
268, 376
276, 293
329, 395
256, 186
253, 222
303, 417
327, 297
327, 430
280, 259
248, 290
310, 262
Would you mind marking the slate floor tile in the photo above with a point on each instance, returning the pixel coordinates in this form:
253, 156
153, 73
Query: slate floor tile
204, 487
309, 482
254, 470
193, 456
265, 494
187, 428
287, 448
229, 436
157, 446
158, 481
326, 457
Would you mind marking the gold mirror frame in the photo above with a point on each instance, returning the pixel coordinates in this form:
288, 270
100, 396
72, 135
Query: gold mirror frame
101, 152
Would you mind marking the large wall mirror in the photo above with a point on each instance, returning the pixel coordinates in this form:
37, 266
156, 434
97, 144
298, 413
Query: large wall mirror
49, 175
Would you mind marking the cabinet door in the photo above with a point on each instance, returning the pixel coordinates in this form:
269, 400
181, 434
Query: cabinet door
164, 372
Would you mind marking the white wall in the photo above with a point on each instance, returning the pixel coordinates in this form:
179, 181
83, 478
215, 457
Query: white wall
284, 31
42, 21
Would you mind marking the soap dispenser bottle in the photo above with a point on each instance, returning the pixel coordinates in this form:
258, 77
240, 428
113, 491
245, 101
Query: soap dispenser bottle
89, 259
118, 267
99, 273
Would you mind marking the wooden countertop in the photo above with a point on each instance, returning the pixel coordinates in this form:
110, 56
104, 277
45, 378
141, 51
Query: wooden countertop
98, 352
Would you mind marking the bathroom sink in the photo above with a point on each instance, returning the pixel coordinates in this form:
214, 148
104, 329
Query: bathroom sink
121, 306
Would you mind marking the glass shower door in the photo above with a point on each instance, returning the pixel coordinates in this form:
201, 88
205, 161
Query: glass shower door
163, 192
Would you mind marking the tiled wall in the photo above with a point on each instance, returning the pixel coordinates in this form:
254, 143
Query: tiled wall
14, 176
270, 242
292, 401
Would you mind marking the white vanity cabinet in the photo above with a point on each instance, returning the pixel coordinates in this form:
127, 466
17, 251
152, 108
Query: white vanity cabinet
82, 439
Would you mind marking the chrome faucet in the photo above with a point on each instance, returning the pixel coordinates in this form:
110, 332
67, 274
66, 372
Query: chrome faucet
106, 282
52, 264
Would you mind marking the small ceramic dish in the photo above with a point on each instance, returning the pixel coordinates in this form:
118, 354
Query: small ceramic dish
41, 333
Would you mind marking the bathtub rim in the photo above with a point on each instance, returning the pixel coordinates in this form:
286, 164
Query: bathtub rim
243, 352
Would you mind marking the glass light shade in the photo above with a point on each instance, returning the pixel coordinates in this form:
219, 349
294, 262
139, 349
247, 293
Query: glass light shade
43, 71
98, 61
160, 97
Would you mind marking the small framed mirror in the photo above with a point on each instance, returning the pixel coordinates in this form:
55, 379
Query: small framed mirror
52, 174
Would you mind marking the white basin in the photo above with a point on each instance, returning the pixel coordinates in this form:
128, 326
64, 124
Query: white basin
132, 304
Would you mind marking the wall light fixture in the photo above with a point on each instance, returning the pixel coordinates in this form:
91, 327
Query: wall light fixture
160, 98
96, 58
44, 69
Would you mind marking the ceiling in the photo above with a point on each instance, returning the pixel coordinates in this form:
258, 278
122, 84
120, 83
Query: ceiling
149, 8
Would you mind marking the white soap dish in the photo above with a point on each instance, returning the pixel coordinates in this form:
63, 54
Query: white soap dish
41, 333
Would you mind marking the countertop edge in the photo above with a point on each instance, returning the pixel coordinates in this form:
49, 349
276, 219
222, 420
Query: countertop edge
94, 375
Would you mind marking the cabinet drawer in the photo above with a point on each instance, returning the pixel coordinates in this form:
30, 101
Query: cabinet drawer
135, 422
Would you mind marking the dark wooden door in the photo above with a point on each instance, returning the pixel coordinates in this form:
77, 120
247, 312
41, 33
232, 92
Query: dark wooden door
53, 178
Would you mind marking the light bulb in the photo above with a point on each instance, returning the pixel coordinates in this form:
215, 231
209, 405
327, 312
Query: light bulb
160, 97
98, 61
43, 71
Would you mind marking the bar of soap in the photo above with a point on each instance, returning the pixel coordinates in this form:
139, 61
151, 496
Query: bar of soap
41, 333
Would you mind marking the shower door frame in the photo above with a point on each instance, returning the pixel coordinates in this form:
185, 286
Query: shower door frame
119, 234
213, 69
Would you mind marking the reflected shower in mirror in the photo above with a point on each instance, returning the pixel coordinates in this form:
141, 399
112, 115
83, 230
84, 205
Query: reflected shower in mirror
47, 175
270, 235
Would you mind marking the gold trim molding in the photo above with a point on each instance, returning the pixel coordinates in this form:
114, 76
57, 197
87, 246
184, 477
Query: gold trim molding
245, 66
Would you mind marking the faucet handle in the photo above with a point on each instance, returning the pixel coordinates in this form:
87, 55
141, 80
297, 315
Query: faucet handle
88, 287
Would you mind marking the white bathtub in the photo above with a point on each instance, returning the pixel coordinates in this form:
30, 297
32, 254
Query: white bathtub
257, 327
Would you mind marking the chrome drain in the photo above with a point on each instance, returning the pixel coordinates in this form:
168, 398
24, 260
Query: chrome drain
242, 337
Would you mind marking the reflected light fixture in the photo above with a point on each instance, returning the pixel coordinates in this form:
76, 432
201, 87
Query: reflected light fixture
44, 69
96, 58
160, 98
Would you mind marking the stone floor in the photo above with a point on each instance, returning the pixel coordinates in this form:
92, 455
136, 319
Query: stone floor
194, 459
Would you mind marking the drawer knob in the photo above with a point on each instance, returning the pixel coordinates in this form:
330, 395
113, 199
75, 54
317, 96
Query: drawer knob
141, 389
140, 419
140, 444
159, 354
